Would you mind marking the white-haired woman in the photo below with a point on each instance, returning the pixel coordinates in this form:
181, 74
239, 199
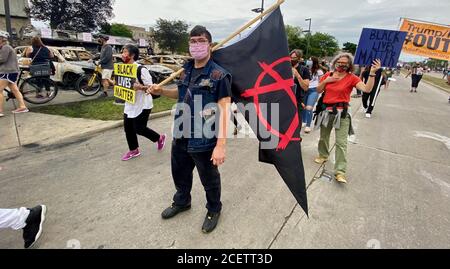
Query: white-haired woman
9, 72
337, 87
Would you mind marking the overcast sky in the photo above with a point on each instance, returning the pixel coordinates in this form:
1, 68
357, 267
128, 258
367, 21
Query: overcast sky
343, 19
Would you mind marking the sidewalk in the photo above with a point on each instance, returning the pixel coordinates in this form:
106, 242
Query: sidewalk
31, 130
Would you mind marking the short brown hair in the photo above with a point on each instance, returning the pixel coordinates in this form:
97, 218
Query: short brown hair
37, 42
350, 61
297, 52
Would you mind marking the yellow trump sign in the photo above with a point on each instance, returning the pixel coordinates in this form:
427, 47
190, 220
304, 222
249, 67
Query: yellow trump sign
426, 39
125, 76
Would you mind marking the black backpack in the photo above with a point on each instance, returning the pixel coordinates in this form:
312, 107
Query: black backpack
139, 78
319, 107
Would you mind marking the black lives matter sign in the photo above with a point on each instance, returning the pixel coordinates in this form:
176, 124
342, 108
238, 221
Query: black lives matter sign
385, 45
125, 77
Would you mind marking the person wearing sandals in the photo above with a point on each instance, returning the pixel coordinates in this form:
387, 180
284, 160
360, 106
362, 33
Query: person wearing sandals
9, 72
337, 87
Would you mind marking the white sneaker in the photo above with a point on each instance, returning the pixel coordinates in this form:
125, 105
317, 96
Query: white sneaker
308, 130
303, 125
368, 115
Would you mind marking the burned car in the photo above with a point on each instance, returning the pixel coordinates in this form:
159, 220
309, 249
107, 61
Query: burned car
158, 72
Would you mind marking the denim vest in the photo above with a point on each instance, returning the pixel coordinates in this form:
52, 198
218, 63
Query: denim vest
202, 134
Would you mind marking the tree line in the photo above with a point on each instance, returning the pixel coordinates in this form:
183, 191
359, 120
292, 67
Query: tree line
172, 35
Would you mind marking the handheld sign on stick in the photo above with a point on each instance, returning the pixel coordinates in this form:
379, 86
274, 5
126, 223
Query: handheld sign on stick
385, 45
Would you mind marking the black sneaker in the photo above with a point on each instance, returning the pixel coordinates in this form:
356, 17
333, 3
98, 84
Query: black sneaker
173, 211
210, 223
119, 102
33, 230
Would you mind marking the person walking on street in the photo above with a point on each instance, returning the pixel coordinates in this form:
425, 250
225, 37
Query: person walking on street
136, 115
312, 95
9, 73
29, 220
368, 99
106, 63
193, 146
389, 73
302, 77
416, 76
337, 87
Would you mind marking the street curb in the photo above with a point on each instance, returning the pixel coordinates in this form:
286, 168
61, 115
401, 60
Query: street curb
437, 86
78, 137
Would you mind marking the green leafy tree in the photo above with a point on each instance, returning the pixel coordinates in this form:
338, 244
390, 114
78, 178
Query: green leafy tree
436, 63
322, 45
172, 35
118, 29
295, 38
105, 28
350, 47
76, 15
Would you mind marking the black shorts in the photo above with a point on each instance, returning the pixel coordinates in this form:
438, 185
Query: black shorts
11, 77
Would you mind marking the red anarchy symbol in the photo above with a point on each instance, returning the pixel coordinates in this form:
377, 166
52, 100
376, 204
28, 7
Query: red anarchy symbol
279, 85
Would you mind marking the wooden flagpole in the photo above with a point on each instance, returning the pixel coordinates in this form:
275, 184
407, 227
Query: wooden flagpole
226, 40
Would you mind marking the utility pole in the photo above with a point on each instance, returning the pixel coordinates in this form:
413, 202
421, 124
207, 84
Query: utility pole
309, 37
8, 19
261, 9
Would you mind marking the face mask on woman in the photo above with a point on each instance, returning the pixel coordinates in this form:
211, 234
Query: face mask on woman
341, 68
126, 58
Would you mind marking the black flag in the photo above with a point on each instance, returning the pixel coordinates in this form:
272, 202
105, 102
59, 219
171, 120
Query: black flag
262, 79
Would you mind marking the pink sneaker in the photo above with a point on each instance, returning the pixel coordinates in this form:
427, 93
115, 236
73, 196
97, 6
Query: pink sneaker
162, 142
130, 155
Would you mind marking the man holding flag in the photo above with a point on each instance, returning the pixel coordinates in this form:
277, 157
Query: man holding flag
202, 84
263, 88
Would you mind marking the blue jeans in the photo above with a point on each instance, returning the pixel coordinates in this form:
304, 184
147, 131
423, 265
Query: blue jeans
310, 101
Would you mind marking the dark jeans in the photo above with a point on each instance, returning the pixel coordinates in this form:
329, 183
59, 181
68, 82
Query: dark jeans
183, 164
138, 126
41, 82
368, 101
416, 80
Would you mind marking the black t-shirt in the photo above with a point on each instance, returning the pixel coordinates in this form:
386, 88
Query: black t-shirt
306, 74
40, 55
379, 75
196, 72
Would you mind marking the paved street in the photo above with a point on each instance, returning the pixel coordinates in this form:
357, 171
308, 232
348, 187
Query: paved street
397, 197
